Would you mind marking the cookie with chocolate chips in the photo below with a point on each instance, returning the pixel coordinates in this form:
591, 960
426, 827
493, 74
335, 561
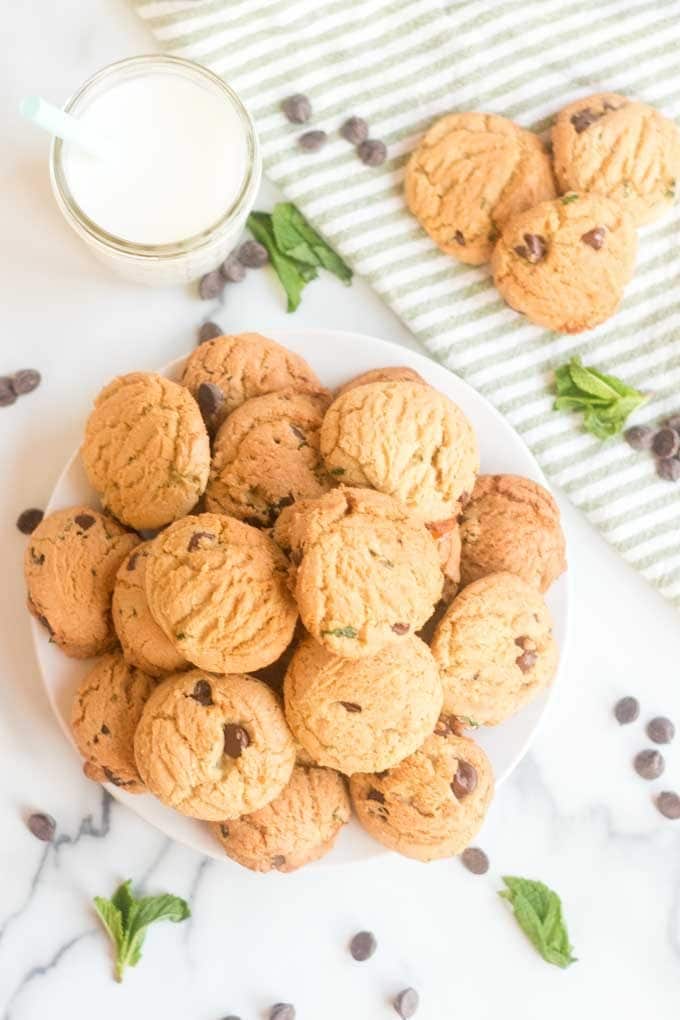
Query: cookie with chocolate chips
432, 804
495, 649
297, 827
213, 747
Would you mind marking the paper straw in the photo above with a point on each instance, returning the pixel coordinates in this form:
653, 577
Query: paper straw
53, 120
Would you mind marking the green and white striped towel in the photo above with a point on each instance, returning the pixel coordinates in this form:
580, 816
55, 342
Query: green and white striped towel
402, 63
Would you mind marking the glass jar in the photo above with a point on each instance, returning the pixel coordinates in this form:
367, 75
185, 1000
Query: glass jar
187, 258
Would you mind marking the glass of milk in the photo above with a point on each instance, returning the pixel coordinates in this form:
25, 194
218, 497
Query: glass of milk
176, 172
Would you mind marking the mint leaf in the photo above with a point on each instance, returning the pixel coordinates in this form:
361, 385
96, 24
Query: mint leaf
568, 199
123, 899
112, 919
538, 911
606, 402
297, 239
292, 274
348, 632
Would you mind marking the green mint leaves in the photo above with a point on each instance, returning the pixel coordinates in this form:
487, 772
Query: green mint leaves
568, 199
349, 632
126, 920
604, 400
295, 249
538, 912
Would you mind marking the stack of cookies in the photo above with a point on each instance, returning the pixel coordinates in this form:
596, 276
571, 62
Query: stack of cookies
558, 227
298, 602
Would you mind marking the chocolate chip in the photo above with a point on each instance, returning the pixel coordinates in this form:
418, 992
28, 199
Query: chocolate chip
211, 285
594, 238
25, 381
42, 826
105, 730
475, 860
209, 331
350, 706
665, 443
7, 394
252, 255
28, 520
312, 141
668, 804
84, 521
113, 778
406, 1003
376, 795
626, 710
363, 946
195, 540
526, 661
465, 780
45, 622
583, 119
224, 829
282, 1011
278, 861
232, 269
132, 561
534, 249
37, 558
459, 238
297, 108
649, 764
372, 152
639, 437
236, 740
299, 434
202, 693
660, 730
210, 399
668, 469
401, 628
354, 130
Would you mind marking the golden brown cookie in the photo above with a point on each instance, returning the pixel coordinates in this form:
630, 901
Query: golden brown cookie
362, 715
511, 524
406, 440
70, 567
495, 649
470, 173
246, 365
106, 709
297, 827
447, 536
146, 450
620, 148
564, 264
266, 456
213, 747
433, 803
393, 373
143, 642
368, 573
217, 589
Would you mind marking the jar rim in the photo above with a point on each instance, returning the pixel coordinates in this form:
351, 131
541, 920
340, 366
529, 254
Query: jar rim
176, 249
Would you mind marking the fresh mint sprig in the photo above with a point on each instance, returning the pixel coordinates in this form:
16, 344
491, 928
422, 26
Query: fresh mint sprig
538, 912
606, 402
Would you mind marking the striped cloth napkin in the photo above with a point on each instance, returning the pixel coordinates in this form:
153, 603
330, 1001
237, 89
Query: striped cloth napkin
402, 63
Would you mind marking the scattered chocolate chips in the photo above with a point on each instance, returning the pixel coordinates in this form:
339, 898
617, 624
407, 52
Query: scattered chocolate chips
7, 394
668, 469
465, 780
236, 740
649, 764
25, 381
668, 804
132, 561
583, 119
534, 249
312, 141
209, 331
37, 558
42, 826
665, 443
401, 628
232, 269
105, 730
363, 945
211, 285
252, 255
113, 778
475, 860
84, 521
594, 238
196, 538
350, 706
297, 109
406, 1003
299, 434
372, 152
282, 1011
278, 861
527, 660
660, 730
639, 437
459, 238
626, 710
210, 399
202, 693
354, 130
28, 520
376, 795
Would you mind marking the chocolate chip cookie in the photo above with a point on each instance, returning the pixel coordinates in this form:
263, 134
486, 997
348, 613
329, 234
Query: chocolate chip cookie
146, 450
70, 567
495, 649
297, 827
433, 803
362, 715
621, 148
213, 747
470, 173
564, 264
105, 713
393, 373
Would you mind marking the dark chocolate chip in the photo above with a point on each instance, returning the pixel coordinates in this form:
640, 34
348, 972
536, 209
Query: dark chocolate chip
626, 710
236, 740
534, 249
224, 829
406, 1003
209, 331
42, 826
465, 780
252, 255
105, 730
401, 628
526, 661
594, 238
312, 141
376, 795
202, 693
668, 469
660, 730
350, 706
196, 538
354, 130
46, 623
84, 521
583, 119
132, 561
210, 399
113, 778
665, 443
282, 1011
278, 861
25, 381
7, 394
363, 945
28, 520
299, 434
668, 804
475, 860
297, 108
639, 437
37, 558
649, 764
211, 285
372, 152
232, 269
459, 238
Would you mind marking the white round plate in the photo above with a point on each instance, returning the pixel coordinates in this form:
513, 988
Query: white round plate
336, 357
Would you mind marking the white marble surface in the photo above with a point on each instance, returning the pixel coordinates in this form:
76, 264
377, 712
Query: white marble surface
573, 814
